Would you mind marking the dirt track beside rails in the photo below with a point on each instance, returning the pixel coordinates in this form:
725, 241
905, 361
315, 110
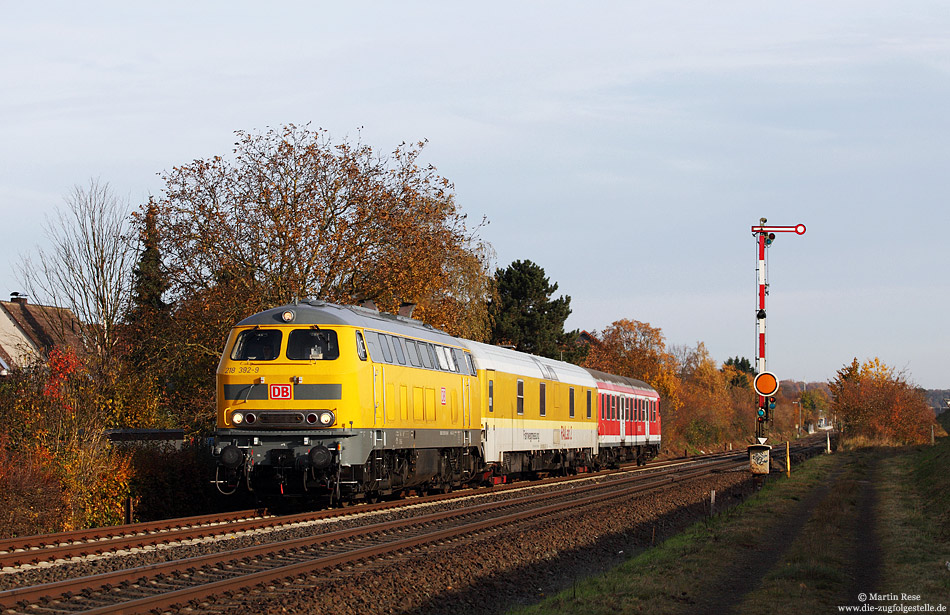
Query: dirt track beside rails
505, 568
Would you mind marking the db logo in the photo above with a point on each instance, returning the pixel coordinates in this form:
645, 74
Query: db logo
281, 391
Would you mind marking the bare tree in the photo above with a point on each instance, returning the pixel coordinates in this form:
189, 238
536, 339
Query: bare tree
87, 264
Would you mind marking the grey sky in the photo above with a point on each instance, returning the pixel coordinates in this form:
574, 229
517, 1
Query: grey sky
626, 147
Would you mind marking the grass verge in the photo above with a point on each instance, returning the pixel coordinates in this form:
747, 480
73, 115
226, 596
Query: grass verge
813, 565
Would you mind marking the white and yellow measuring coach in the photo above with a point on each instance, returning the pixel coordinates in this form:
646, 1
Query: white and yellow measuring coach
538, 414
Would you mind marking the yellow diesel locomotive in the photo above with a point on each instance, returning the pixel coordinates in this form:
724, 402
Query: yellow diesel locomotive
342, 403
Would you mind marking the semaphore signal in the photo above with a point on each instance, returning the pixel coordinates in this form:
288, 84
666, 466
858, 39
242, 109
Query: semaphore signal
765, 235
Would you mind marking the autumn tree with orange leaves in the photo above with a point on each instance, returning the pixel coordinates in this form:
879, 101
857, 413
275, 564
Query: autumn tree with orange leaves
293, 214
874, 401
635, 349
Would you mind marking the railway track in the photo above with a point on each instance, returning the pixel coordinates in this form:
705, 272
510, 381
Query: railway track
71, 546
162, 585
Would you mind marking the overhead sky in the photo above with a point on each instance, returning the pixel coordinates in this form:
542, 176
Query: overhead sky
626, 147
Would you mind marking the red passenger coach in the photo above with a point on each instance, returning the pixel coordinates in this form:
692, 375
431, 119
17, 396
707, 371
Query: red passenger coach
628, 424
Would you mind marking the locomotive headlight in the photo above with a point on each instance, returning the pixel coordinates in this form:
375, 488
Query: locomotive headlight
287, 316
326, 418
237, 418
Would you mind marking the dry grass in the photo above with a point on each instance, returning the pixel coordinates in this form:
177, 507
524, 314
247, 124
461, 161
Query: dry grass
915, 523
814, 573
682, 572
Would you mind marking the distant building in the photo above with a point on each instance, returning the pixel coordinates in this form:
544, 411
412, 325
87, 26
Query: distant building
28, 332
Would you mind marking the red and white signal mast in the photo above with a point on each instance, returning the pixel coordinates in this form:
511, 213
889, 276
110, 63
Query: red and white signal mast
765, 383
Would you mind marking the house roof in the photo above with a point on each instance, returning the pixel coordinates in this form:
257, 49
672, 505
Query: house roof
43, 326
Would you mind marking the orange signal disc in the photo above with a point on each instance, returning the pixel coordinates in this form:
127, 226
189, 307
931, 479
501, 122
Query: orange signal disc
765, 384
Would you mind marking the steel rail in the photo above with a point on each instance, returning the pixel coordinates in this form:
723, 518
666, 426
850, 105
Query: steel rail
83, 543
45, 541
631, 485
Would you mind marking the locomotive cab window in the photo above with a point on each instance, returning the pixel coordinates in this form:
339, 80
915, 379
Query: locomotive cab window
360, 346
257, 345
312, 345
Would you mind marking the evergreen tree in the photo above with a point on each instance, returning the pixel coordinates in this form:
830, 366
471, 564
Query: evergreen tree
743, 370
526, 317
148, 313
149, 282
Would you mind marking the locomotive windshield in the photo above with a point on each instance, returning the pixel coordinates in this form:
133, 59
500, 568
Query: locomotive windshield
312, 345
257, 345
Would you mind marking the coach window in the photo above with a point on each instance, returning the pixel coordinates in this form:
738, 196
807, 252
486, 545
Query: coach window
360, 346
588, 403
542, 404
521, 397
602, 415
491, 395
571, 402
613, 407
257, 345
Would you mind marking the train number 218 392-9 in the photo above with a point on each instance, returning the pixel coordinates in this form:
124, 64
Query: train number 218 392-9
245, 369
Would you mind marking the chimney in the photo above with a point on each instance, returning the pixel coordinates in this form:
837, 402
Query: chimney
406, 309
18, 298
